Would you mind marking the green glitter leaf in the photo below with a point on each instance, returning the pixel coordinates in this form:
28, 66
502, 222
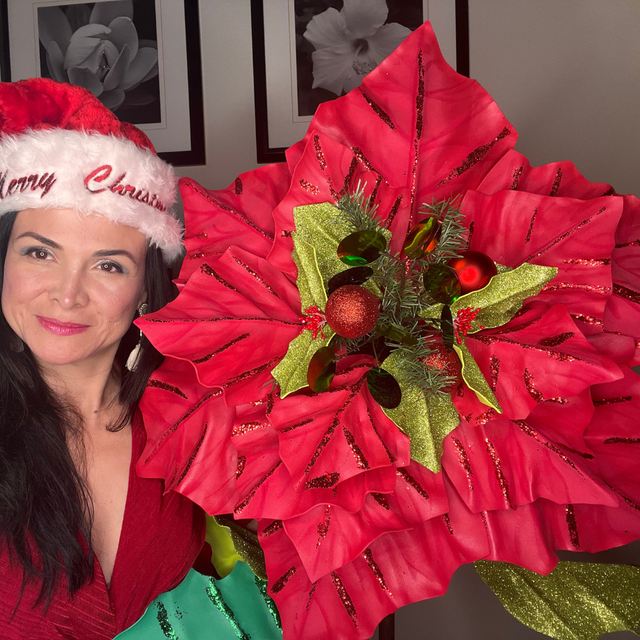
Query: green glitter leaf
474, 378
427, 420
291, 371
576, 601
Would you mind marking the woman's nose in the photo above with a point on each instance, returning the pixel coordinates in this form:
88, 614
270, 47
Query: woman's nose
70, 289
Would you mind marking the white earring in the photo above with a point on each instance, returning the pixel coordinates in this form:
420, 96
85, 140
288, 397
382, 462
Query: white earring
134, 356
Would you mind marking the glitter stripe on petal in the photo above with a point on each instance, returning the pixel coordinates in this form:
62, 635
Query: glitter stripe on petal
381, 113
164, 624
239, 508
412, 482
224, 347
394, 211
247, 427
311, 188
627, 294
494, 368
191, 460
157, 384
556, 183
375, 569
325, 481
463, 459
215, 595
572, 525
323, 527
361, 461
616, 440
255, 276
281, 582
589, 262
555, 341
497, 467
516, 178
607, 401
345, 598
530, 231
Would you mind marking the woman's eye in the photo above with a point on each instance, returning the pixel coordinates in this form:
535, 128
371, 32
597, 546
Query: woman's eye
39, 254
110, 267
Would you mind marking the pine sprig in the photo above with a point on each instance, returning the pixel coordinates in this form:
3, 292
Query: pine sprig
429, 380
359, 211
454, 238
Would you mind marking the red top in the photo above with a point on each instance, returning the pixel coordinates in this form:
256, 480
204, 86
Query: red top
161, 537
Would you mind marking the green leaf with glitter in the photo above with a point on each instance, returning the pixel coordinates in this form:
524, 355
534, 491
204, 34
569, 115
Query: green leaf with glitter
291, 371
505, 294
427, 420
474, 378
576, 601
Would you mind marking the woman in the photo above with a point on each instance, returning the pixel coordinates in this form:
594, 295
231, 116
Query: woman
85, 545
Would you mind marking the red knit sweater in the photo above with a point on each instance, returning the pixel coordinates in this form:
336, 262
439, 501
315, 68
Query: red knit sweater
161, 537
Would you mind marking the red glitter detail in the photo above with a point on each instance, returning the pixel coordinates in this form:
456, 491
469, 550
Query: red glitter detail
202, 236
463, 322
208, 271
416, 140
354, 390
530, 385
460, 391
242, 462
589, 262
310, 596
192, 457
313, 320
552, 353
592, 320
394, 211
556, 183
376, 186
359, 154
472, 226
172, 429
247, 427
325, 481
256, 277
202, 254
615, 400
447, 521
281, 582
628, 501
323, 527
286, 233
381, 499
238, 186
383, 115
347, 179
392, 458
485, 417
628, 244
242, 505
555, 341
345, 598
296, 426
274, 527
463, 458
494, 368
565, 235
627, 294
589, 288
497, 467
516, 178
412, 482
249, 374
582, 454
205, 194
619, 440
157, 384
375, 569
311, 188
530, 231
319, 153
573, 526
361, 461
474, 157
532, 433
224, 347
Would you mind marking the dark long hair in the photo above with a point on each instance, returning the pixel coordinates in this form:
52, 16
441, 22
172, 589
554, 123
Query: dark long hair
45, 507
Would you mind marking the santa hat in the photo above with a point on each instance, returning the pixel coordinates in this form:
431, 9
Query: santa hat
60, 147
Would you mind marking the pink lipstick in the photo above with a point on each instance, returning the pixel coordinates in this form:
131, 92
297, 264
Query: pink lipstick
61, 328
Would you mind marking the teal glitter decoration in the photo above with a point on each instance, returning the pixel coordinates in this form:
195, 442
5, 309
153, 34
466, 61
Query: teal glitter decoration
269, 601
163, 621
214, 594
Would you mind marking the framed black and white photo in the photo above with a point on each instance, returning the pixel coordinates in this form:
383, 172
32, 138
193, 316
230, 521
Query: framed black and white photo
140, 58
306, 52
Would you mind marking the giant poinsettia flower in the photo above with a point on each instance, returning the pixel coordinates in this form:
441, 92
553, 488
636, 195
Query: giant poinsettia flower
363, 509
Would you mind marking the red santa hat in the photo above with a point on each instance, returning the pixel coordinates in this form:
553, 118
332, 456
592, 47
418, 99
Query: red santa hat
60, 147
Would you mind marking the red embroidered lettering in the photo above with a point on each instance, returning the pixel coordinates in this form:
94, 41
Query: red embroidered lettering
11, 187
98, 175
47, 184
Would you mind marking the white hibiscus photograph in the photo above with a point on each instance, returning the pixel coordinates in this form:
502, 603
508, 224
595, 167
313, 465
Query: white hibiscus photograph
110, 48
338, 42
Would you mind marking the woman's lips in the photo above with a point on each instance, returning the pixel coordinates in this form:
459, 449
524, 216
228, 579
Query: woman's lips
61, 328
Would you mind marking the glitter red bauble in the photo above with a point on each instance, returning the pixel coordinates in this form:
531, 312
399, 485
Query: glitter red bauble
445, 359
352, 311
474, 270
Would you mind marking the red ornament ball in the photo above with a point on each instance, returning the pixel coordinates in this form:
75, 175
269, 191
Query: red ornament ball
474, 270
352, 311
445, 359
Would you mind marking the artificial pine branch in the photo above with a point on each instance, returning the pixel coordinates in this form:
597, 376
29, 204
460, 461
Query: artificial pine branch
359, 211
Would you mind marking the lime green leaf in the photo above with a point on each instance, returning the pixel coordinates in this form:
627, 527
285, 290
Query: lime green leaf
426, 420
309, 282
474, 378
503, 297
576, 601
223, 553
245, 544
291, 371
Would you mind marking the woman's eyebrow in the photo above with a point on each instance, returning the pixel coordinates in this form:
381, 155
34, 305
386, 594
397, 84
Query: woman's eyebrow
105, 253
39, 238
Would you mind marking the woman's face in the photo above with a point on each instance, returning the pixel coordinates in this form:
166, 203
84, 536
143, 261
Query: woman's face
72, 284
